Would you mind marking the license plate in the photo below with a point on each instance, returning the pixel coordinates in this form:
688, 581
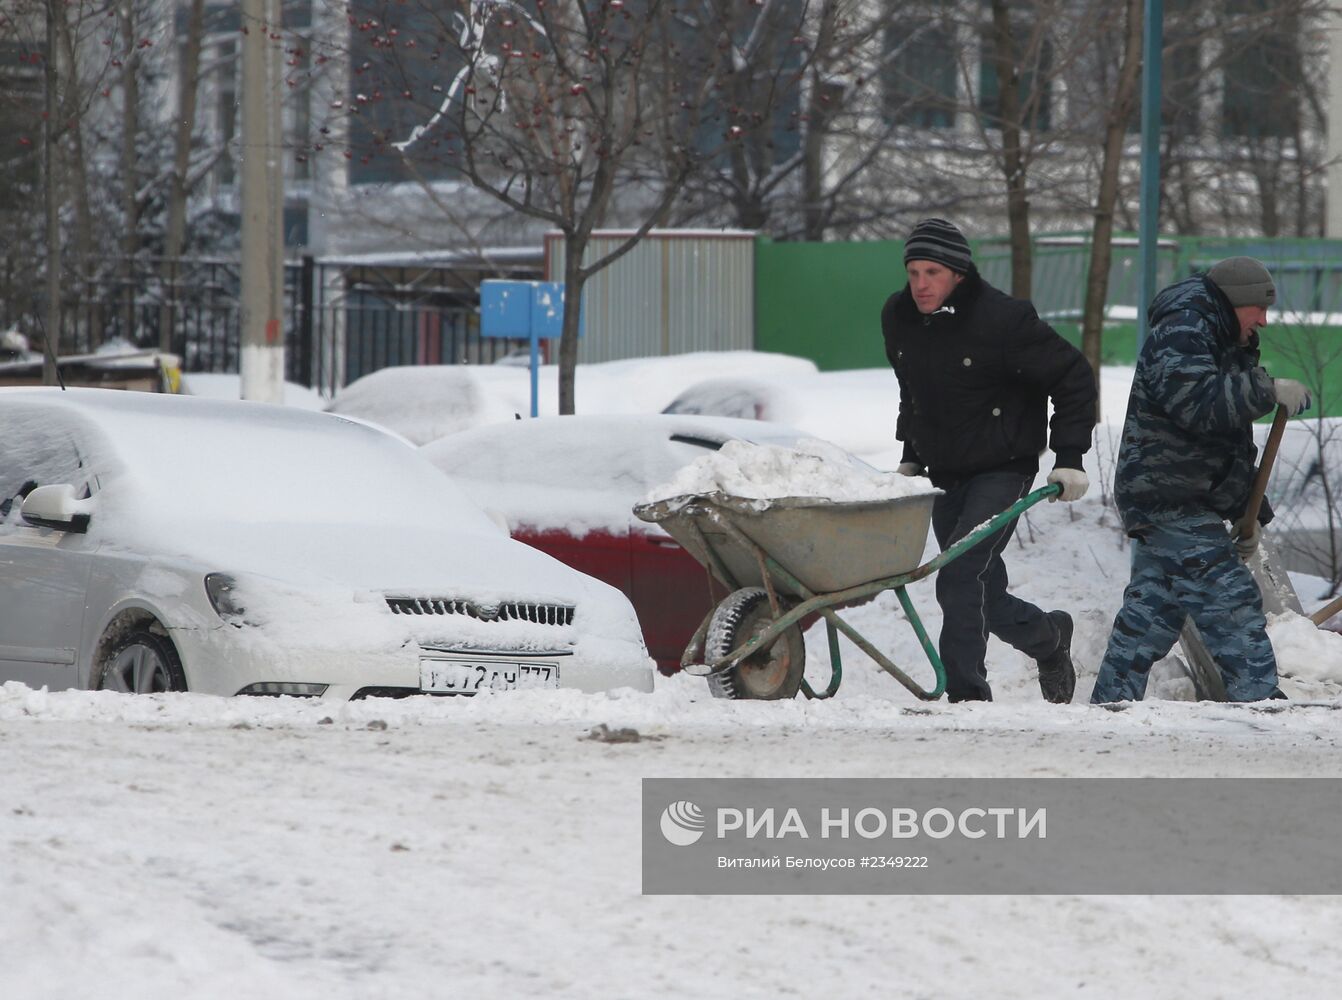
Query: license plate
470, 676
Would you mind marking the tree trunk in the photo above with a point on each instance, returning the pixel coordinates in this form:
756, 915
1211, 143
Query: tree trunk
820, 110
1303, 167
1013, 157
52, 203
1266, 166
574, 279
130, 130
76, 177
185, 127
1101, 248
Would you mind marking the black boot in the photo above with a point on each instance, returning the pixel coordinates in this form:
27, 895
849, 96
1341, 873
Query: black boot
1057, 676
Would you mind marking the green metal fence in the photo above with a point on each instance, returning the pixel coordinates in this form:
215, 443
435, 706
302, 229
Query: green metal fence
823, 300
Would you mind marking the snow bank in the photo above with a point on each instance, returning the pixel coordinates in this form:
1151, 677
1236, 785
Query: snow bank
1306, 653
217, 385
810, 468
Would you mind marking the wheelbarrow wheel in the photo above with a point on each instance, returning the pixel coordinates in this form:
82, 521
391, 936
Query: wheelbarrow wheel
767, 674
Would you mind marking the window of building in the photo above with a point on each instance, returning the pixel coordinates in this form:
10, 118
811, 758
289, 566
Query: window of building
299, 65
221, 65
1036, 84
1262, 81
1181, 87
393, 89
919, 75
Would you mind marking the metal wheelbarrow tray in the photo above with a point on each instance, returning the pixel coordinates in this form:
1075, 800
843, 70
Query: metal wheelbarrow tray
787, 559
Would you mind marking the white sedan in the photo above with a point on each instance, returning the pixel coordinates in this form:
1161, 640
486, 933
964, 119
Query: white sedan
160, 543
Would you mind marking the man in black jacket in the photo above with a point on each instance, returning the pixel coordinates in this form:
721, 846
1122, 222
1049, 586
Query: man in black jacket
976, 370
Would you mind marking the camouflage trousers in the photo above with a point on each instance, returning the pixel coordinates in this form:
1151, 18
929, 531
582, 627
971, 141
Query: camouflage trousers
1188, 568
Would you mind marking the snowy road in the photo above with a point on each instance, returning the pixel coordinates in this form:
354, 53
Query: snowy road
188, 846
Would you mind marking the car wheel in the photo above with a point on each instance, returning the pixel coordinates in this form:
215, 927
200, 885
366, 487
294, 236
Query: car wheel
767, 674
141, 662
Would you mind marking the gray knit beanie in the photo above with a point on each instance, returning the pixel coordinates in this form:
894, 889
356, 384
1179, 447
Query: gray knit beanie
1245, 281
938, 240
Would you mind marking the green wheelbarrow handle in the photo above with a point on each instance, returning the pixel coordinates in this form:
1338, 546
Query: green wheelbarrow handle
823, 604
989, 527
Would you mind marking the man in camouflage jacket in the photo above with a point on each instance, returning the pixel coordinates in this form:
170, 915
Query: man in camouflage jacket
1185, 467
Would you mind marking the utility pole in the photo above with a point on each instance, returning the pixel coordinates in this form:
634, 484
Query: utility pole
262, 204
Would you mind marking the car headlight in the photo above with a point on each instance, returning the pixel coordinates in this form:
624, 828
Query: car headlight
221, 589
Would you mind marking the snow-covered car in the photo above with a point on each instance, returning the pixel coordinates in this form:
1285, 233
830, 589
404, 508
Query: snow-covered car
225, 385
568, 485
157, 542
855, 409
424, 402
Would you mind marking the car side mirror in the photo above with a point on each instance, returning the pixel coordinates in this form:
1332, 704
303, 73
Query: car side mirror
56, 506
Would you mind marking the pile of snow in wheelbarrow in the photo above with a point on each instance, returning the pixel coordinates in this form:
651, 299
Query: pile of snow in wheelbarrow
811, 468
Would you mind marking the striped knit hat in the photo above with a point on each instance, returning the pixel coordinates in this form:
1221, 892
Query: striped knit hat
938, 240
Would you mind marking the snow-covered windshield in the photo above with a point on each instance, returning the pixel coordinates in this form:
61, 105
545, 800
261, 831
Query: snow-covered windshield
251, 463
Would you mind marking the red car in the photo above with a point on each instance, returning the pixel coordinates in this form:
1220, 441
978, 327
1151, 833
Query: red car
568, 485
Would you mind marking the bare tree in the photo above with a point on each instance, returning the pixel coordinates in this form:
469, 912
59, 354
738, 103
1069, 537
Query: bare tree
27, 90
1243, 118
1116, 121
571, 114
129, 27
51, 200
796, 89
1008, 56
93, 55
184, 127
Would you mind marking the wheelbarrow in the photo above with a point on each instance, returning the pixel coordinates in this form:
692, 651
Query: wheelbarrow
788, 560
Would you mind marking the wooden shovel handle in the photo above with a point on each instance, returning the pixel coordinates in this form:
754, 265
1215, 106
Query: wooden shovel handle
1326, 612
1264, 469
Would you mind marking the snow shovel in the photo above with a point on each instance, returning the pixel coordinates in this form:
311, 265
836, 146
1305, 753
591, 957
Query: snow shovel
1273, 583
1326, 612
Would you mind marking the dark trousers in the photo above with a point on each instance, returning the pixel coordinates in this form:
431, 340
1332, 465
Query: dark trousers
972, 589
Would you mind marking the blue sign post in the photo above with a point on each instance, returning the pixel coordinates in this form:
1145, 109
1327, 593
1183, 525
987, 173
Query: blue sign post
531, 309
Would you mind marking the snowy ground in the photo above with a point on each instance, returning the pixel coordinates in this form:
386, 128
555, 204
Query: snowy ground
184, 845
189, 846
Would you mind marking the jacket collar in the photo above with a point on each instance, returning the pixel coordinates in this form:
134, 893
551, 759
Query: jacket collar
1198, 294
963, 294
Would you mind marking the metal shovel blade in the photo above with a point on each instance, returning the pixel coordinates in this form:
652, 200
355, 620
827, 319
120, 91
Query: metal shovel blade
1199, 665
1278, 596
1268, 572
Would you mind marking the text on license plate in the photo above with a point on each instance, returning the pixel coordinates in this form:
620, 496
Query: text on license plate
470, 676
